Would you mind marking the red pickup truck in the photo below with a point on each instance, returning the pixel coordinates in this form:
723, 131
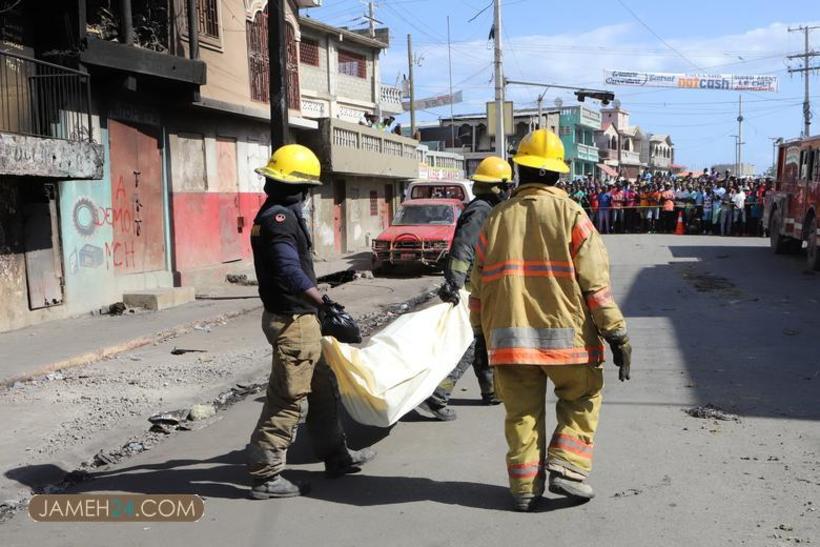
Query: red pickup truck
421, 233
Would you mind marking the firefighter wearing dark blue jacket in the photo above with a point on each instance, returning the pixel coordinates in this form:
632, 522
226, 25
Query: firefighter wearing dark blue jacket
490, 186
300, 380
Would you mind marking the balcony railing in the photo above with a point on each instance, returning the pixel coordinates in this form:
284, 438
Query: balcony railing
361, 150
630, 158
390, 94
41, 99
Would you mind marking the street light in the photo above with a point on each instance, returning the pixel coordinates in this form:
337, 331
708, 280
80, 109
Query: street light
776, 141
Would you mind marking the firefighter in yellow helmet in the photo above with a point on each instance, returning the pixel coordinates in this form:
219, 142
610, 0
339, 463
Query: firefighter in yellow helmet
541, 297
491, 183
299, 378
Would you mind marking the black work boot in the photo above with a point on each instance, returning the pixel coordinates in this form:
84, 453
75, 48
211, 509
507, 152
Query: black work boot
349, 463
442, 414
278, 487
572, 488
490, 399
525, 503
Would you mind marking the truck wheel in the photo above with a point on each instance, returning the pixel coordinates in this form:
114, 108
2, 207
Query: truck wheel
813, 253
778, 243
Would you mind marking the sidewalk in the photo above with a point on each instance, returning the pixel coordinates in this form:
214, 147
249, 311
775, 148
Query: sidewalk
55, 345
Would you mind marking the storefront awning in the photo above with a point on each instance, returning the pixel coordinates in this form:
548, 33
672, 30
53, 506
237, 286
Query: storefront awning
608, 170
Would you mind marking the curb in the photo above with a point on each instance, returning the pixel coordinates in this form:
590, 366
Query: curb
110, 351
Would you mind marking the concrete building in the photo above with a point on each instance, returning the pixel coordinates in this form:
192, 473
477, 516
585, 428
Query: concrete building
466, 134
364, 168
658, 154
619, 144
578, 126
138, 176
746, 169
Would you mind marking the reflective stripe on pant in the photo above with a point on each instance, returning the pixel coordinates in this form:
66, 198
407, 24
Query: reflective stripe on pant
523, 390
481, 366
300, 381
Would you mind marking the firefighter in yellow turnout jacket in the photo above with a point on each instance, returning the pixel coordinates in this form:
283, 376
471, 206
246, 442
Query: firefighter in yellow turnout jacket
541, 297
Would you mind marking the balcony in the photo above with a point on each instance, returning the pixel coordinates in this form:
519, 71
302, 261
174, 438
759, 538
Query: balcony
45, 121
365, 151
628, 157
390, 99
660, 162
608, 154
586, 152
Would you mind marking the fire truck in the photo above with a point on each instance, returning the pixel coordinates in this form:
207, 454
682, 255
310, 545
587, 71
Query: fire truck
792, 207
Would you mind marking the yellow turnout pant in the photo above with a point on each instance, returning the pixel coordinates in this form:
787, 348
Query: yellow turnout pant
523, 390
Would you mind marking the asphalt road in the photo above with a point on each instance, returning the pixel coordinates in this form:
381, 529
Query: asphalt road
712, 320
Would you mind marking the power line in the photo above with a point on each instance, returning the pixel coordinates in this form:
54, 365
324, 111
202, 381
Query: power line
656, 35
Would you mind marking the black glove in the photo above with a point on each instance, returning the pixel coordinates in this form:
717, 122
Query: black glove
449, 293
622, 354
336, 322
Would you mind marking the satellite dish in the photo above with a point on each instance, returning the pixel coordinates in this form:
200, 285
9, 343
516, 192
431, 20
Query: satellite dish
558, 102
616, 103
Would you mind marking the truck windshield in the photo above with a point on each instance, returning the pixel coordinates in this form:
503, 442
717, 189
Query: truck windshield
424, 214
437, 191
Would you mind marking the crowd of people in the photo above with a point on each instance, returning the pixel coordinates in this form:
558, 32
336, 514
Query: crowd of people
707, 204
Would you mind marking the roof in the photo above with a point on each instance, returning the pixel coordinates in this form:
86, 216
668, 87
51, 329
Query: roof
343, 34
660, 138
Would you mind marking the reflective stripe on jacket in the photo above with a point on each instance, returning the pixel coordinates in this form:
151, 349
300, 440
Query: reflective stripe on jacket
541, 282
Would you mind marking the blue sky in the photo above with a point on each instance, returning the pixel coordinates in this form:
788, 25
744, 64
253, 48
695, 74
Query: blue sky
573, 42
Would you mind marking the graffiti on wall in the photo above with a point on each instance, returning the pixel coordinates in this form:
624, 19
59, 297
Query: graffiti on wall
88, 217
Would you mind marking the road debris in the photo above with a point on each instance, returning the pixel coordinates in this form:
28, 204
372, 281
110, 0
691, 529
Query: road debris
201, 412
627, 493
711, 412
181, 351
241, 279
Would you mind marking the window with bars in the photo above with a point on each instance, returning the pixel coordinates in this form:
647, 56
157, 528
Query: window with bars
208, 18
374, 203
352, 64
309, 52
258, 63
207, 12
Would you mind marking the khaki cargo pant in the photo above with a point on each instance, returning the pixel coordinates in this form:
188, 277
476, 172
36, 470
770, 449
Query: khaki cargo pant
523, 389
300, 382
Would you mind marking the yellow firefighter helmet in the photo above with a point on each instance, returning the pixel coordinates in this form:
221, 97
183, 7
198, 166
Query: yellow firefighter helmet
542, 149
293, 164
492, 169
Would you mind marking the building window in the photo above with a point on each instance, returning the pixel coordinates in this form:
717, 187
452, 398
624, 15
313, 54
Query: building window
374, 203
258, 63
208, 18
352, 64
309, 52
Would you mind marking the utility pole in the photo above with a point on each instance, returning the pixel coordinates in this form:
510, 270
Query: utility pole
371, 19
500, 136
410, 63
450, 69
739, 135
278, 81
737, 140
806, 70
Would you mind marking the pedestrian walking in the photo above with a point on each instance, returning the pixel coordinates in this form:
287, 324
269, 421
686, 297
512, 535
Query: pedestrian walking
490, 186
300, 381
541, 297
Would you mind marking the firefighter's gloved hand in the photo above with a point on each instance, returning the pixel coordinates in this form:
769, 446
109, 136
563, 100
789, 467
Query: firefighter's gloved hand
449, 293
622, 354
335, 321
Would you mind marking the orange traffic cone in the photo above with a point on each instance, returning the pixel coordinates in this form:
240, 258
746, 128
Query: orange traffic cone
680, 229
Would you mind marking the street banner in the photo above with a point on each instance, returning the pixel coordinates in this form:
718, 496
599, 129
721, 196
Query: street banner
726, 82
433, 102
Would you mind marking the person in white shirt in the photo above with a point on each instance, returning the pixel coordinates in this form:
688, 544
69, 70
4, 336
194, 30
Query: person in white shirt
739, 212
